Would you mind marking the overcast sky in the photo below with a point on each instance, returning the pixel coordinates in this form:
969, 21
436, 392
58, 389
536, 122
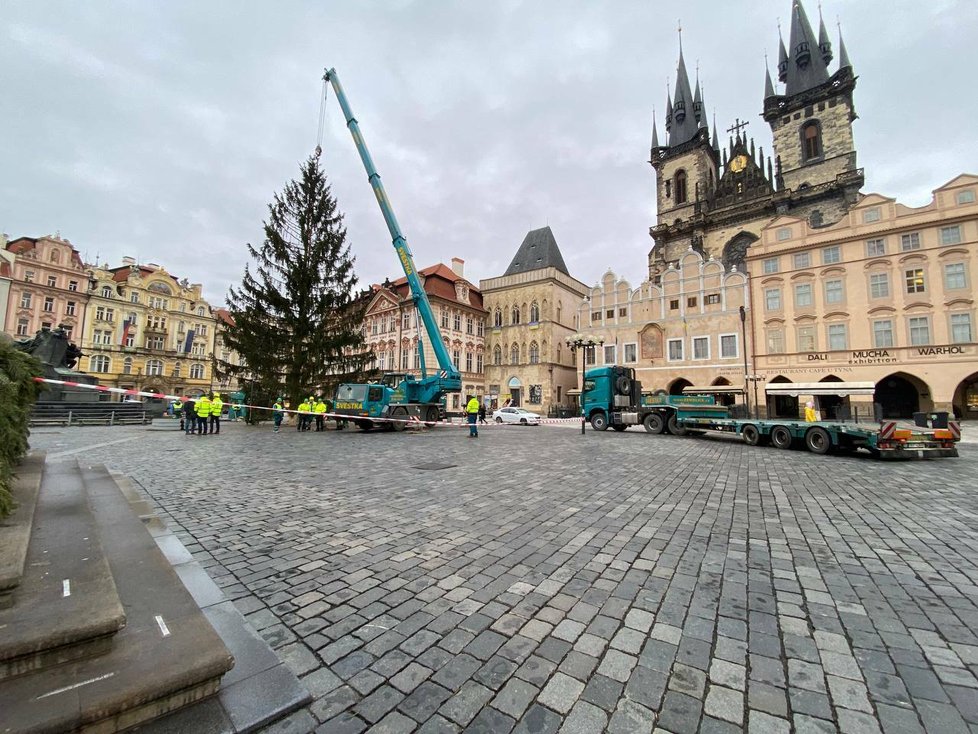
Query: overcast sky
161, 130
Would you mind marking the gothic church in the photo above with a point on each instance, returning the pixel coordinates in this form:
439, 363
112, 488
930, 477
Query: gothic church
716, 202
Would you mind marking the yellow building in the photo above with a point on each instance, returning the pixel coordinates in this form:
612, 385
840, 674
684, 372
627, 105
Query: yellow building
146, 330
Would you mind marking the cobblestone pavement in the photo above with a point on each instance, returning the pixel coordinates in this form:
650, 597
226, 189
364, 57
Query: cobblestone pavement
546, 581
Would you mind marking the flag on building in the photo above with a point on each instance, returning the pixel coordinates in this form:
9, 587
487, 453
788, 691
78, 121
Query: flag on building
127, 326
190, 340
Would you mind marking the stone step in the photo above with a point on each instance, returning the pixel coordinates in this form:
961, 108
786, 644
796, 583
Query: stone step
15, 530
167, 656
67, 606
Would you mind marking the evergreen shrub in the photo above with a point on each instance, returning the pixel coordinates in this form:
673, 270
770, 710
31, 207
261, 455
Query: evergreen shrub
18, 392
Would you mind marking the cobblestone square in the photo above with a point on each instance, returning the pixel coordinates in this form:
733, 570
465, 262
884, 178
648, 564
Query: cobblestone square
544, 581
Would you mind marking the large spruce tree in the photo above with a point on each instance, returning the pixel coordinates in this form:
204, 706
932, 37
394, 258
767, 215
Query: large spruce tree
296, 315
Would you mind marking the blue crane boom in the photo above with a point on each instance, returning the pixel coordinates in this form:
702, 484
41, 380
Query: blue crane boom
410, 392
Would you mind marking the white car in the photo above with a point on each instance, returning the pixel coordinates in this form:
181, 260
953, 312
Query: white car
516, 415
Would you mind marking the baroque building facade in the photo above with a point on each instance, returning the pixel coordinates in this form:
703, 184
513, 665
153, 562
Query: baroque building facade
532, 310
393, 330
147, 330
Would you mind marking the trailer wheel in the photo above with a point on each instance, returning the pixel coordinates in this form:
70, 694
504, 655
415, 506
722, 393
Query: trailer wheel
674, 428
818, 440
599, 422
654, 424
781, 437
430, 416
751, 435
619, 427
398, 414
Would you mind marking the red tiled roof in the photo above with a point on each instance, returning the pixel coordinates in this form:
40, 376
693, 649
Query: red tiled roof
439, 280
121, 273
224, 315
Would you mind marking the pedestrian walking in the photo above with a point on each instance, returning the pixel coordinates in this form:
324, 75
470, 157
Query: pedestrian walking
189, 422
472, 411
278, 413
203, 413
217, 407
320, 410
482, 412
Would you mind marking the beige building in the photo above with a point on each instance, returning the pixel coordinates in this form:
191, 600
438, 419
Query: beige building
49, 286
532, 310
148, 330
685, 331
884, 296
393, 329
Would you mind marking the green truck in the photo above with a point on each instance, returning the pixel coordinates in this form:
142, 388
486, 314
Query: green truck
613, 397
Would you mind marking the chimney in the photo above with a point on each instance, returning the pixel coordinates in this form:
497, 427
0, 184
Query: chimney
128, 261
458, 266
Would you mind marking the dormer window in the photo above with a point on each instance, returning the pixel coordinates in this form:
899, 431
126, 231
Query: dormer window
803, 54
679, 110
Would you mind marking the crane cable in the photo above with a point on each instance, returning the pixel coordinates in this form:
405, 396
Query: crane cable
322, 117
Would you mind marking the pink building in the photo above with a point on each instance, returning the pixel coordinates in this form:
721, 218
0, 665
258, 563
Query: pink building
49, 287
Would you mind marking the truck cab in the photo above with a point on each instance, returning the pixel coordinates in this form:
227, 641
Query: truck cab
608, 392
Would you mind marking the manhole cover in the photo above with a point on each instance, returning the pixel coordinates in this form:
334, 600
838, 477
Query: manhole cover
435, 466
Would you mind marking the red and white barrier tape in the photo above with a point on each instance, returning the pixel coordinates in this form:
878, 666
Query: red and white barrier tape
414, 420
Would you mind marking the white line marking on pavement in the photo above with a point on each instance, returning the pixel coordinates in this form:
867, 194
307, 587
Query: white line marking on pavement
65, 588
163, 628
83, 449
56, 691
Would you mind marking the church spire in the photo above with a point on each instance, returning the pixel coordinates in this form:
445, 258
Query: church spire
668, 110
716, 140
782, 58
824, 45
655, 133
768, 84
684, 116
843, 54
806, 69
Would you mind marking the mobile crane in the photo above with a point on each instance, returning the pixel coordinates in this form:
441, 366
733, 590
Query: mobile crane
398, 397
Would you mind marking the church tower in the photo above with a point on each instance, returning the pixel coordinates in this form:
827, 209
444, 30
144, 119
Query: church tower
811, 122
686, 171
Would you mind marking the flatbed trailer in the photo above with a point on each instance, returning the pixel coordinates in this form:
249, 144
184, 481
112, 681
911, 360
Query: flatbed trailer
886, 440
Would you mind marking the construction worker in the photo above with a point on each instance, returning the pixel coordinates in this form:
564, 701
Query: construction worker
304, 409
472, 412
189, 421
320, 410
278, 413
217, 406
203, 413
178, 410
810, 415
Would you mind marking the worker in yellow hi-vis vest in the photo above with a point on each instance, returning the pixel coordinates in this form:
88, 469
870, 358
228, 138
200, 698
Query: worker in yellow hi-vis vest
203, 413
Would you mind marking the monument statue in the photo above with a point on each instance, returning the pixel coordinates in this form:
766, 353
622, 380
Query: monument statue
58, 357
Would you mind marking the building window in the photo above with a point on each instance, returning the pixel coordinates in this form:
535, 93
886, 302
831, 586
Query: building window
52, 281
468, 325
631, 353
28, 276
882, 333
674, 304
831, 255
497, 355
806, 339
915, 280
25, 300
803, 294
70, 308
392, 323
701, 347
838, 337
910, 241
966, 197
834, 292
590, 355
610, 313
456, 359
73, 285
610, 354
468, 362
919, 330
783, 234
497, 318
99, 363
875, 248
879, 285
691, 302
514, 354
772, 265
811, 140
951, 235
444, 318
954, 276
712, 299
49, 304
802, 260
134, 297
478, 363
480, 327
456, 322
22, 327
675, 350
772, 299
961, 328
871, 215
680, 187
200, 310
534, 312
728, 346
534, 353
106, 291
404, 359
127, 366
196, 372
595, 316
515, 315
406, 320
775, 341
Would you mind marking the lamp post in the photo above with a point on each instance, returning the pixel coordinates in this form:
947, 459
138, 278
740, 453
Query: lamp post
580, 343
743, 333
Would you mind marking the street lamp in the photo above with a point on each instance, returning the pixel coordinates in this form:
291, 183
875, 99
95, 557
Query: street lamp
581, 343
743, 333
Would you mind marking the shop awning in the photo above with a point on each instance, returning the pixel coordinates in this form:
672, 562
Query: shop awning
842, 389
713, 390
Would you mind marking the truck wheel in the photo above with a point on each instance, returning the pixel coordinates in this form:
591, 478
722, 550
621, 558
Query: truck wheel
399, 415
818, 440
674, 428
619, 427
751, 435
654, 424
781, 437
623, 385
430, 416
599, 422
